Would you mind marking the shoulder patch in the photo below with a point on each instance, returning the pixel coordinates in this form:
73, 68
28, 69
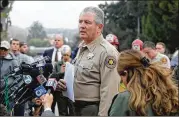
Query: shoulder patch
110, 62
163, 60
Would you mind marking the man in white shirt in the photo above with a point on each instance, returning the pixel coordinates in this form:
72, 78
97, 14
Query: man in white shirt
55, 53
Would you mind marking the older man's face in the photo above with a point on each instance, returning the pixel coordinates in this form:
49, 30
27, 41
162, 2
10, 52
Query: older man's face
149, 52
58, 41
88, 29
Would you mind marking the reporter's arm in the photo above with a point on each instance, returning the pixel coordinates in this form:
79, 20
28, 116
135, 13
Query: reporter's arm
47, 100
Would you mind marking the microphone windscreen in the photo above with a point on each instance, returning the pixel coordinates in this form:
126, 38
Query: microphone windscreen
48, 68
34, 72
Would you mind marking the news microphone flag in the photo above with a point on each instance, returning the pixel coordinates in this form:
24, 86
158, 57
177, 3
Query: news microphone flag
39, 91
51, 84
41, 79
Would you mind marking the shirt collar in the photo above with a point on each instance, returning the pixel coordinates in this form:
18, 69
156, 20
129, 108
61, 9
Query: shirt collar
55, 49
17, 53
91, 46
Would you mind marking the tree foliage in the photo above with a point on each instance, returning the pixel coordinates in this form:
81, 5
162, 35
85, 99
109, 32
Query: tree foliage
158, 21
39, 42
37, 31
121, 20
162, 22
4, 16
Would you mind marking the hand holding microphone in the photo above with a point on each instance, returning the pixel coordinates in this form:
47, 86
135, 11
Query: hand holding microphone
47, 100
62, 85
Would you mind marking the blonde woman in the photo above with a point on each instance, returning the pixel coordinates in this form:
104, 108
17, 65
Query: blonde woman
150, 89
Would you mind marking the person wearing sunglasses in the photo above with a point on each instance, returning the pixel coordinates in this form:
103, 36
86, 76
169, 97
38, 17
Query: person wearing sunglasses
150, 88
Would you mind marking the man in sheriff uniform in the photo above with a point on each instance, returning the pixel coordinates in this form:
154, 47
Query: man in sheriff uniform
96, 77
150, 50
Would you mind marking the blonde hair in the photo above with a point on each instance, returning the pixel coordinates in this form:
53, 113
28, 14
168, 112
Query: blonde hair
149, 86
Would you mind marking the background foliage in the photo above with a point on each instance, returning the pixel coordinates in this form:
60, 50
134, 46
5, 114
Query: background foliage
158, 21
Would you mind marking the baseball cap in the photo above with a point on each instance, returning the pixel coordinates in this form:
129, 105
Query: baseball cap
5, 44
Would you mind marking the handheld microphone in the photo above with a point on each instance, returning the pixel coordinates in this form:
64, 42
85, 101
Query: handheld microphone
58, 76
39, 91
41, 79
51, 85
48, 68
27, 79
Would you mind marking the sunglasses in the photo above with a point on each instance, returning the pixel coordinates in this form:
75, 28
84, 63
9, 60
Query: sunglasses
3, 49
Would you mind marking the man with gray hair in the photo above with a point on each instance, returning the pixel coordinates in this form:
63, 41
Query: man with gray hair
96, 78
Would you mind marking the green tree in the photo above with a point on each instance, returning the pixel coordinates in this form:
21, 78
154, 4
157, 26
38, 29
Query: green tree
4, 17
162, 23
38, 42
121, 20
37, 31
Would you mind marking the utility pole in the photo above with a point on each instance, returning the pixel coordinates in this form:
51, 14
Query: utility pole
138, 20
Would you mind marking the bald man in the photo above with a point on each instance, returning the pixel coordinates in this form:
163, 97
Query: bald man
55, 53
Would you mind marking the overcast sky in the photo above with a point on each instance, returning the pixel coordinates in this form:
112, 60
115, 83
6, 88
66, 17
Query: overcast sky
52, 14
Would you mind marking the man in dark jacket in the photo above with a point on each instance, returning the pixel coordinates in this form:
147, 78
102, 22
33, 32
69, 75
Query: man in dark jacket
55, 53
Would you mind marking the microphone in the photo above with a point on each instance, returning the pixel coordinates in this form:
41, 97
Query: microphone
39, 91
27, 79
58, 76
41, 79
47, 59
51, 85
48, 68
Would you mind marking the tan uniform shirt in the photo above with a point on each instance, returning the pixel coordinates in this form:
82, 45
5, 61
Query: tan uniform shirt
96, 77
163, 59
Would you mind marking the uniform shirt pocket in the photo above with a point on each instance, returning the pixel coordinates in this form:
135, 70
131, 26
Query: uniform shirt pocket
86, 68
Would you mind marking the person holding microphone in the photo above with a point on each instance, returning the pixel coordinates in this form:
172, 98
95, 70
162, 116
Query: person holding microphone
47, 101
